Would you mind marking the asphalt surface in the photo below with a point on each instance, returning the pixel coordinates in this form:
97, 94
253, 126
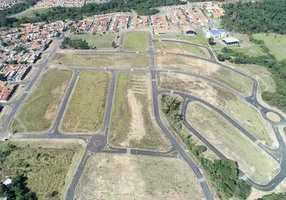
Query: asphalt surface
99, 142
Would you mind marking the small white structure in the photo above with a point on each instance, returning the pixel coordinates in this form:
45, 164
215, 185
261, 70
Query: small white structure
216, 33
7, 182
230, 41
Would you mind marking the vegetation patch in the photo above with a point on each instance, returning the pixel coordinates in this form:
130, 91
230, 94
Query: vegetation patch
135, 41
98, 41
39, 111
102, 60
137, 177
197, 39
196, 66
43, 169
238, 109
179, 48
218, 170
86, 109
132, 121
69, 43
232, 143
276, 43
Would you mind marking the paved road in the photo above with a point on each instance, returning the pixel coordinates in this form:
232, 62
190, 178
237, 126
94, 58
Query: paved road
99, 141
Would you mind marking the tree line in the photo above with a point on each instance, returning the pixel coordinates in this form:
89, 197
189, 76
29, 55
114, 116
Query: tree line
255, 17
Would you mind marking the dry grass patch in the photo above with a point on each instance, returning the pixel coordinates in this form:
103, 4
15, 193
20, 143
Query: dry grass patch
233, 144
126, 177
273, 117
179, 48
205, 68
101, 60
48, 164
39, 111
132, 121
238, 109
85, 111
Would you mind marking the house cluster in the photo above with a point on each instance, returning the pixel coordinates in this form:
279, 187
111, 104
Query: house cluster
20, 48
62, 3
8, 3
213, 8
182, 19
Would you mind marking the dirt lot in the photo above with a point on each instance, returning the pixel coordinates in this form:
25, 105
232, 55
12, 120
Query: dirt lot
132, 121
86, 108
89, 59
205, 68
126, 177
235, 107
233, 144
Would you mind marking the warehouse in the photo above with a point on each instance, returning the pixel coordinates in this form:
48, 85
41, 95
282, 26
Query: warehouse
230, 41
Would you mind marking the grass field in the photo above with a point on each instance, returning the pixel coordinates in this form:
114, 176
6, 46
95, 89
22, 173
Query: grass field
205, 68
39, 111
99, 41
86, 109
49, 165
111, 176
198, 39
236, 108
132, 119
264, 77
251, 159
275, 42
30, 13
100, 61
135, 41
179, 48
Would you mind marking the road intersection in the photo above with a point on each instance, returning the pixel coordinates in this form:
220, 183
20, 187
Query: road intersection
99, 142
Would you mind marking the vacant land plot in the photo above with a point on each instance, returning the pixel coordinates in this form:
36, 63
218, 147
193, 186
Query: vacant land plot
179, 48
135, 41
85, 111
129, 177
102, 60
99, 41
275, 42
264, 77
251, 159
198, 39
236, 108
30, 13
205, 68
48, 165
132, 121
41, 108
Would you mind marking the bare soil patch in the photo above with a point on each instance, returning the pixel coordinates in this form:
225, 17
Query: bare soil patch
126, 177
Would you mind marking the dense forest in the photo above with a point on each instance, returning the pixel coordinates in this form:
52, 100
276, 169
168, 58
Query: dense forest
254, 17
142, 7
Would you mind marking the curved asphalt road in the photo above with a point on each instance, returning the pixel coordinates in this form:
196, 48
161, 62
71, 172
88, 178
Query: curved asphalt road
99, 141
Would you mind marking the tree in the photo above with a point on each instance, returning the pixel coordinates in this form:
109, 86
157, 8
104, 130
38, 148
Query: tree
220, 57
211, 41
113, 44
